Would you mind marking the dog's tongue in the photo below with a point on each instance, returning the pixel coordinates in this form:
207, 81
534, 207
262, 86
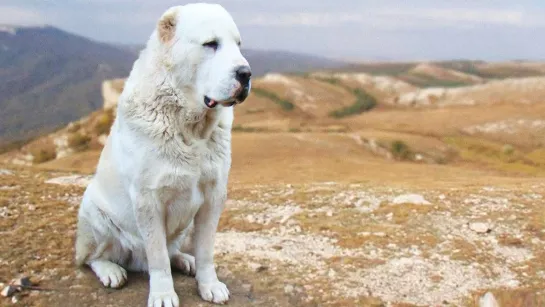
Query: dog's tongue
209, 102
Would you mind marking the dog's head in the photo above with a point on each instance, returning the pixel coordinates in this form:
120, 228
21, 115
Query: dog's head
200, 46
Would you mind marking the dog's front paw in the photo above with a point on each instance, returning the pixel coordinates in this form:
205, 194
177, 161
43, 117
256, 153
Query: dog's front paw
163, 299
215, 292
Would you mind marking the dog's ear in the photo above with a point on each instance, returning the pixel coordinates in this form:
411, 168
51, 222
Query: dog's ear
166, 26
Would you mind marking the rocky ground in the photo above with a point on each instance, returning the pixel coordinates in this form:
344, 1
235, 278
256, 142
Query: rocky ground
305, 244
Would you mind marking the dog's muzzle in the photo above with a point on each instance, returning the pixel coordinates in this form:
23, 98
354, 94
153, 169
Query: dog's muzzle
244, 92
240, 96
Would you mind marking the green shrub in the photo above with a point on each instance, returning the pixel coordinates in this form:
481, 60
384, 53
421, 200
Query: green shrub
364, 102
254, 111
43, 153
104, 123
79, 141
240, 128
508, 150
284, 103
400, 150
330, 80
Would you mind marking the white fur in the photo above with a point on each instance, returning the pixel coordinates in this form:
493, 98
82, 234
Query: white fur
161, 181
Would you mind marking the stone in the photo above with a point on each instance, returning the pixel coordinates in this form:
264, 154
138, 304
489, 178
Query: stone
410, 199
247, 288
480, 227
9, 291
102, 139
5, 172
488, 300
76, 180
257, 267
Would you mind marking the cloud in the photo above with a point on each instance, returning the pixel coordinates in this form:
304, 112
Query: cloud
453, 16
20, 16
396, 18
302, 19
341, 28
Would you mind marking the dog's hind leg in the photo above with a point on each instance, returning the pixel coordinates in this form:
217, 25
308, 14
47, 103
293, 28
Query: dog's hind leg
180, 252
183, 262
110, 274
85, 241
94, 254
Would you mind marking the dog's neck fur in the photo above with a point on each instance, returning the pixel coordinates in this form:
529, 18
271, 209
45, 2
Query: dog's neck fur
162, 110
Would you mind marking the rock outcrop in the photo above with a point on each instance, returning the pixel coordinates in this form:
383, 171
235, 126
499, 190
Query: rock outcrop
111, 90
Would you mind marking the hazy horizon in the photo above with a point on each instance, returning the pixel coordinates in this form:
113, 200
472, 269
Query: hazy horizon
342, 29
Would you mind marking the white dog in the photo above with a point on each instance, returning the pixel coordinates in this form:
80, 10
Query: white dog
161, 182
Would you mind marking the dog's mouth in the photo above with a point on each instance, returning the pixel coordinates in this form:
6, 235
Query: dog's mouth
239, 97
211, 103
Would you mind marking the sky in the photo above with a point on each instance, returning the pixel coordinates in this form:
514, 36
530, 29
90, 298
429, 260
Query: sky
361, 30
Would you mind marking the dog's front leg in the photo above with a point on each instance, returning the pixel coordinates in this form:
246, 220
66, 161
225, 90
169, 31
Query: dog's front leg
206, 223
150, 217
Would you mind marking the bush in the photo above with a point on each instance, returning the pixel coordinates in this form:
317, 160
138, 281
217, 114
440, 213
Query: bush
330, 80
240, 128
44, 153
284, 103
79, 141
364, 102
508, 150
104, 123
400, 150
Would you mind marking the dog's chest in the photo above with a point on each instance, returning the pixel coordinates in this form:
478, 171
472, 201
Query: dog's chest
186, 183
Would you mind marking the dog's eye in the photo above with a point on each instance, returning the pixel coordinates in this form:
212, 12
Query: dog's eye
211, 44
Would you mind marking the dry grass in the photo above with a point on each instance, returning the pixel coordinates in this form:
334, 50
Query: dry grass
79, 141
490, 154
43, 152
104, 122
83, 162
513, 297
283, 103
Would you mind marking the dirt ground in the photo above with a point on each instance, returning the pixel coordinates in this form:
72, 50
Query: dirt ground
306, 225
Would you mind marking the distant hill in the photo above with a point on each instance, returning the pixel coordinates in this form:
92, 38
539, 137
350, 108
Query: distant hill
278, 61
49, 77
448, 73
263, 62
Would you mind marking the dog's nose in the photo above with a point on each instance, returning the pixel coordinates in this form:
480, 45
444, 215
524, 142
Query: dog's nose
243, 74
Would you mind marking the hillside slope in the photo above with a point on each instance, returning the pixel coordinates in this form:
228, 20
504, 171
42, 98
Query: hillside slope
496, 125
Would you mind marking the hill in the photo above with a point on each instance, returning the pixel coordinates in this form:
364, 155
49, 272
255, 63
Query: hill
448, 73
494, 125
49, 77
